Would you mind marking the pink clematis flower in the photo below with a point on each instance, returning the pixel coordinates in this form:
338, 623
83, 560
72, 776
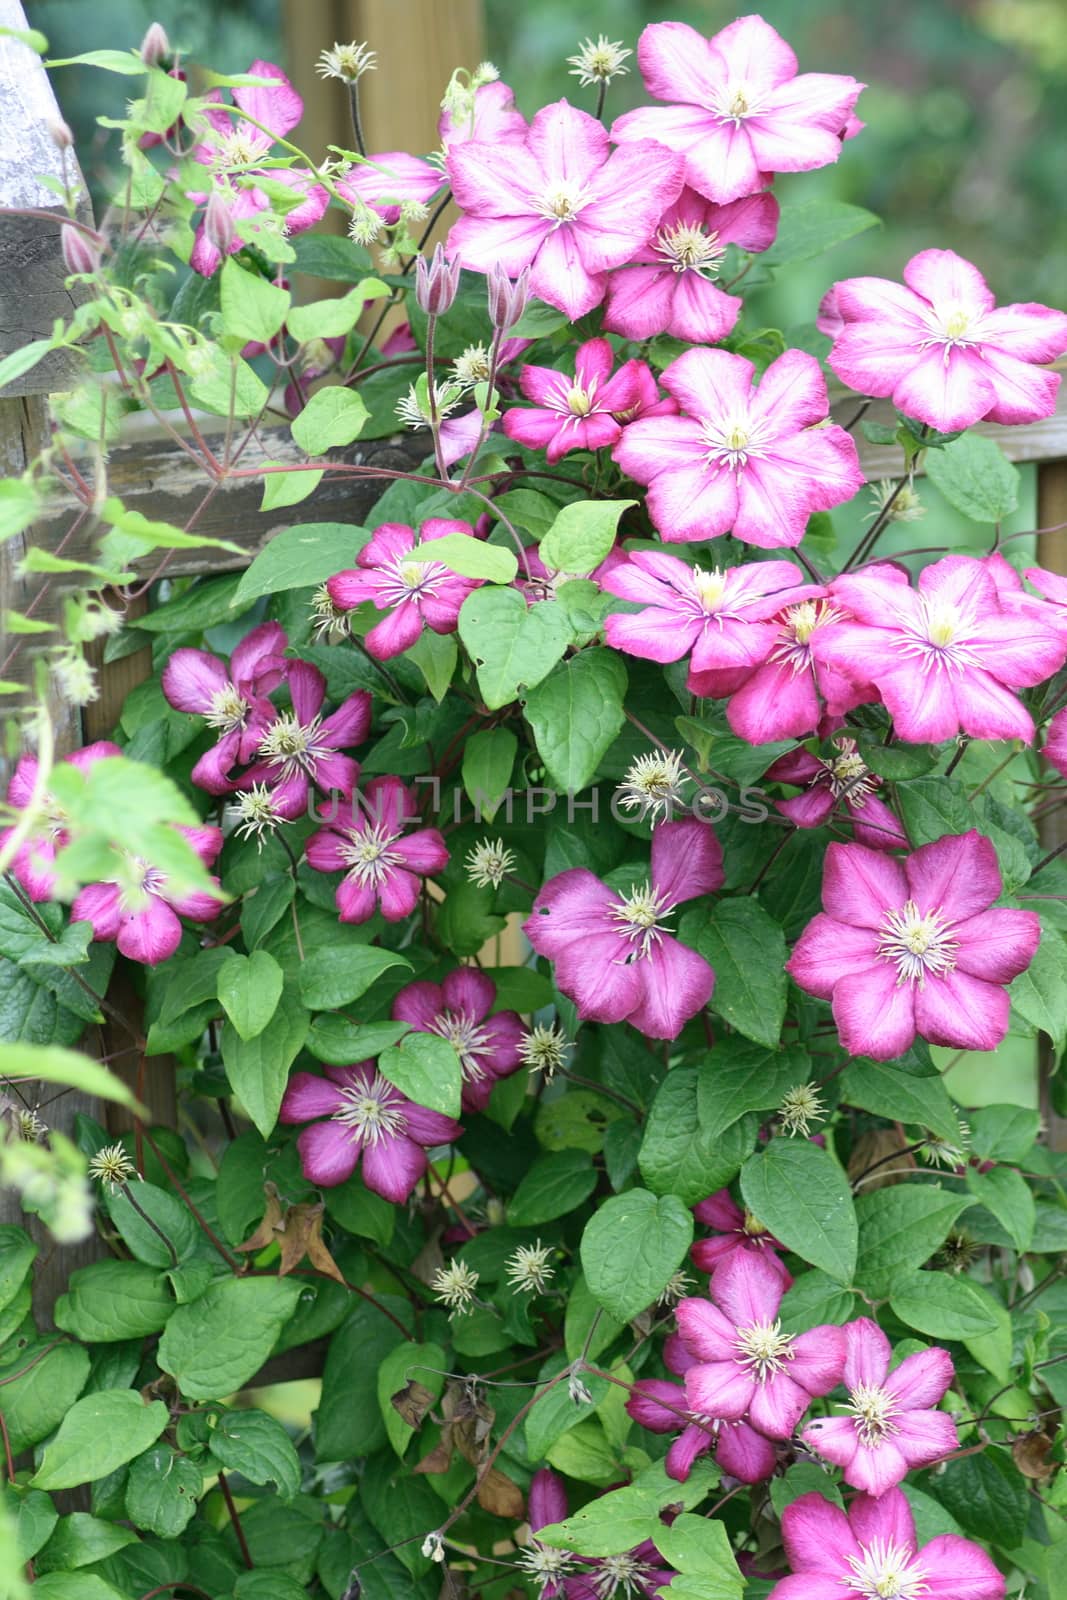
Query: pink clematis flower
892, 1428
872, 1551
301, 749
843, 776
235, 154
387, 180
231, 700
757, 461
140, 912
744, 1366
492, 118
737, 1232
660, 1406
33, 860
670, 286
613, 955
637, 1574
738, 109
723, 618
488, 1047
414, 594
353, 1113
585, 412
939, 347
383, 865
558, 203
915, 947
945, 657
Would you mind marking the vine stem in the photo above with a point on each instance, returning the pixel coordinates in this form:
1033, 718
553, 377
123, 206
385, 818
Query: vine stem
235, 1522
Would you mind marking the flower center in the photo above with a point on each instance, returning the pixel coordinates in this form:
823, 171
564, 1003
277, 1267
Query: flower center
918, 943
885, 1571
545, 1565
562, 202
580, 401
638, 917
472, 366
404, 580
736, 102
752, 1227
374, 1111
731, 443
291, 744
940, 635
139, 882
873, 1409
368, 854
798, 625
242, 147
764, 1348
710, 587
466, 1038
689, 246
227, 710
848, 773
619, 1574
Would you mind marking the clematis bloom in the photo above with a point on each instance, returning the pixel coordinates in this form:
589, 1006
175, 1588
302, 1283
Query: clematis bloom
383, 864
945, 657
232, 701
660, 1406
490, 116
581, 413
757, 461
414, 594
940, 348
613, 955
737, 108
140, 911
670, 285
744, 1365
387, 180
301, 748
737, 1232
32, 863
558, 203
871, 1551
892, 1428
915, 947
842, 776
355, 1114
489, 1047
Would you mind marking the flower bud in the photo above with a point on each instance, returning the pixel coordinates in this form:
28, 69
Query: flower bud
218, 223
80, 252
436, 282
62, 137
507, 300
155, 46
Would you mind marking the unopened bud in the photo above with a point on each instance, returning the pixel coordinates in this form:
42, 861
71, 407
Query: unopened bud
80, 252
218, 223
62, 137
507, 300
436, 282
155, 46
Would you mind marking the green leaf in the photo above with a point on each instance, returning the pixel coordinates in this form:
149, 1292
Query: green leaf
470, 557
173, 1219
1007, 1195
738, 1077
1003, 1132
427, 1069
258, 1067
632, 1247
976, 477
99, 1433
554, 1186
512, 645
214, 1345
162, 1489
932, 808
576, 714
252, 308
407, 1363
36, 1516
942, 1306
435, 655
888, 1090
807, 229
335, 975
298, 557
803, 1477
153, 534
615, 1522
901, 1228
128, 62
17, 1253
582, 535
815, 1298
113, 1300
746, 948
332, 318
249, 989
52, 1064
258, 1447
801, 1195
262, 909
700, 1549
86, 1586
987, 1496
24, 359
79, 1540
348, 1408
1039, 995
321, 255
488, 759
339, 1042
331, 418
40, 1386
679, 1153
290, 487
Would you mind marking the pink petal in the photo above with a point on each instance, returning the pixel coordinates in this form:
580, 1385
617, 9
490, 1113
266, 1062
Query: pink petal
747, 1289
470, 991
677, 63
777, 1406
960, 1011
277, 106
868, 1352
744, 1453
98, 903
874, 1016
775, 703
420, 1004
393, 1167
355, 903
399, 894
191, 679
560, 276
956, 1569
860, 885
888, 1518
940, 275
998, 944
719, 1210
308, 689
677, 984
947, 394
328, 1153
690, 502
1023, 393
350, 723
547, 1500
150, 935
817, 1536
571, 906
958, 874
423, 851
429, 1128
694, 1441
791, 394
707, 1332
988, 711
307, 1097
829, 950
721, 1389
925, 1436
655, 1404
604, 987
686, 860
397, 632
818, 1362
921, 1379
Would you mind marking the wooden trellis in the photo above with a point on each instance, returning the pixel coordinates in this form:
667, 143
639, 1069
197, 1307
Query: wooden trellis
154, 475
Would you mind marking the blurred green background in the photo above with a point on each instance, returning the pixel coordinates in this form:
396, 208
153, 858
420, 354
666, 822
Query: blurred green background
966, 111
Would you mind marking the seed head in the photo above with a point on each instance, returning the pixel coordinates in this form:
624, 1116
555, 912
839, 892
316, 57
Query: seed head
112, 1166
676, 1288
454, 1286
327, 620
544, 1049
937, 1151
258, 814
488, 863
600, 62
346, 61
74, 678
653, 784
528, 1270
364, 225
800, 1107
906, 505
